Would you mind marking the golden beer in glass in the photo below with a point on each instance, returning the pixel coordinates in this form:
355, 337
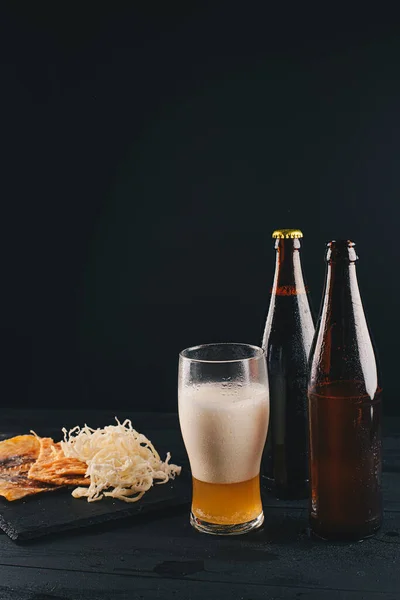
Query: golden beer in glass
223, 401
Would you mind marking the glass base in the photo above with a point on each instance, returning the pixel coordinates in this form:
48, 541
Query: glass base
216, 529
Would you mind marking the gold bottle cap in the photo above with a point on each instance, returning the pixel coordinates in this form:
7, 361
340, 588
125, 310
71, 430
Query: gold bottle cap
287, 233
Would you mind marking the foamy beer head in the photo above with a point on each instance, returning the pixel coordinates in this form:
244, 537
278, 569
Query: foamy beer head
223, 401
224, 429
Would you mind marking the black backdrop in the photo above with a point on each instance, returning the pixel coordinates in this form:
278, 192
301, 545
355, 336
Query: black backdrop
149, 152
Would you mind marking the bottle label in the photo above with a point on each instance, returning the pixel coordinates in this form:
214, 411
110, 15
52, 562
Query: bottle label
289, 290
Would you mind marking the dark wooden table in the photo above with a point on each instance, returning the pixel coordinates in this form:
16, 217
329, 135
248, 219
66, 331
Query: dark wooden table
161, 556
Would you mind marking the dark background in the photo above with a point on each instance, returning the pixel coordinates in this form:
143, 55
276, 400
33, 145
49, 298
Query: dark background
149, 152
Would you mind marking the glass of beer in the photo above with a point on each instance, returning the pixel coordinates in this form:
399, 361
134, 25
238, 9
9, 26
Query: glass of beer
223, 400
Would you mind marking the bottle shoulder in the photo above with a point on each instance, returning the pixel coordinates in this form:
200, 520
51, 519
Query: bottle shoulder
288, 321
344, 354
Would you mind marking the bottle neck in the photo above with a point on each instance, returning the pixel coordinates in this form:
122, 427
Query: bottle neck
343, 343
342, 300
288, 279
341, 286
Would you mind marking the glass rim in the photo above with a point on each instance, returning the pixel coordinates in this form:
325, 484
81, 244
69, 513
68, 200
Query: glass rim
259, 353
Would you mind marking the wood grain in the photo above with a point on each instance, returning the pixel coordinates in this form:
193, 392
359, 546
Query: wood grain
163, 557
151, 555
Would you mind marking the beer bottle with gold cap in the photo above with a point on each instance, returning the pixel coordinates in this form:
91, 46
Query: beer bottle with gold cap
287, 340
344, 392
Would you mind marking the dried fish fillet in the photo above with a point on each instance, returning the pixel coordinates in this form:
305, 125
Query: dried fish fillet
17, 455
52, 466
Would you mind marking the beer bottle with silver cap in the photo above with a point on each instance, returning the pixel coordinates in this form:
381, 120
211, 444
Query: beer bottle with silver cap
344, 392
287, 340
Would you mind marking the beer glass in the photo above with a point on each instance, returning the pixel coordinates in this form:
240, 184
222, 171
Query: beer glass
223, 401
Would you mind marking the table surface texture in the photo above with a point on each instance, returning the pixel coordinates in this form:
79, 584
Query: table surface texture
161, 556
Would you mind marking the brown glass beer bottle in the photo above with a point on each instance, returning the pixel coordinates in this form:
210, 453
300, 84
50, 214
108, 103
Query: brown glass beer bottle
344, 395
288, 336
